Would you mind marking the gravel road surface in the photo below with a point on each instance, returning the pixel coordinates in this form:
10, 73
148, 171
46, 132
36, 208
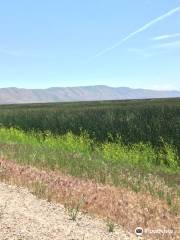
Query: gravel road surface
25, 217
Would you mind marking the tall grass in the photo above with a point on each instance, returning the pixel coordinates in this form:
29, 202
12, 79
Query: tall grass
141, 155
139, 167
135, 121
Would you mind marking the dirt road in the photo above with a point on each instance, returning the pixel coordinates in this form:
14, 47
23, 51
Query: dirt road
24, 217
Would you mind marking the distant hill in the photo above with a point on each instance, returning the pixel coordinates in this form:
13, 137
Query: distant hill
88, 93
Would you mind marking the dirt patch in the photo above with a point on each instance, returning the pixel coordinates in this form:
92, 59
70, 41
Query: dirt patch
125, 207
24, 217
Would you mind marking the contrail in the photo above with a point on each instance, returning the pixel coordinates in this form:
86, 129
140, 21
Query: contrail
143, 28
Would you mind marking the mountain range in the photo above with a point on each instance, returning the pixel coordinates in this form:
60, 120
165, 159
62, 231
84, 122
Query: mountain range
85, 93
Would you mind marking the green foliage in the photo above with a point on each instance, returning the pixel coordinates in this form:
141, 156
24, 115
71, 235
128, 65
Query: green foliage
169, 156
46, 149
110, 226
73, 208
135, 121
134, 166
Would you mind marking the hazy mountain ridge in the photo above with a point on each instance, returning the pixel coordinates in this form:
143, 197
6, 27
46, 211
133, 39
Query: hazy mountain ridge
87, 93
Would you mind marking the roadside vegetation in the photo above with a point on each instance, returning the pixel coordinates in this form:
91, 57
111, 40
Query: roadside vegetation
131, 148
139, 167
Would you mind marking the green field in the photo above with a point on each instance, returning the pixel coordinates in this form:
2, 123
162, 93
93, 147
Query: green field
147, 121
134, 144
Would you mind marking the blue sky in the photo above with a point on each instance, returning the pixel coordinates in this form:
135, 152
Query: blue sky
49, 43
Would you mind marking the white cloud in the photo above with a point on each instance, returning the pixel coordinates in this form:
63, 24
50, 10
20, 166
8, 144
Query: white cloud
166, 36
153, 49
143, 28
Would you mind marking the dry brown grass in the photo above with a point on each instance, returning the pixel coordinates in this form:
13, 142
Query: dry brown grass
127, 208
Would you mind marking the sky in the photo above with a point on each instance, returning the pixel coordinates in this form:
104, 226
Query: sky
62, 43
